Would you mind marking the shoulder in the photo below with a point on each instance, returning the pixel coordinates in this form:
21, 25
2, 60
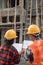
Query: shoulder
36, 43
40, 42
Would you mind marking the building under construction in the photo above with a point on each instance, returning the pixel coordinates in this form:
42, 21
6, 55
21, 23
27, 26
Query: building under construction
19, 14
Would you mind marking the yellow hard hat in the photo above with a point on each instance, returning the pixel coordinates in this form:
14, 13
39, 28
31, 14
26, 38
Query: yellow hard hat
10, 34
33, 29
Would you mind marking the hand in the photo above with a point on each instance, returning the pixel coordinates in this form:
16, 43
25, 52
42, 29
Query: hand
22, 51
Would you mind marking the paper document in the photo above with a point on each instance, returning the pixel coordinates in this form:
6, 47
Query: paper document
24, 45
18, 46
27, 43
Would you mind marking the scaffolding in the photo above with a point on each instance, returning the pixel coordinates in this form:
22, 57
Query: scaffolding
28, 17
29, 13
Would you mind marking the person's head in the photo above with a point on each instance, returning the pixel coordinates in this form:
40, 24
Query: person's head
33, 32
9, 36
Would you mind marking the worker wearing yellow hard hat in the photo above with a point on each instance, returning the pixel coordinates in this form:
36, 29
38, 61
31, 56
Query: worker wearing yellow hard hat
8, 54
34, 52
34, 31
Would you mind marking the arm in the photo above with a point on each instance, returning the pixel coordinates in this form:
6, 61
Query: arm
29, 55
17, 57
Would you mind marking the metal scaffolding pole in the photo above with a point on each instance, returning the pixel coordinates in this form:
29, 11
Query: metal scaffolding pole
21, 29
37, 14
8, 12
28, 15
41, 10
15, 16
30, 11
42, 18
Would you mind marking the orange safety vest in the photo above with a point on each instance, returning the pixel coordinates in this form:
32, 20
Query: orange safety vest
37, 49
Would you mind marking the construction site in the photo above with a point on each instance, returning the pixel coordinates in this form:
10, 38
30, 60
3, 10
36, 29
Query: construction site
19, 14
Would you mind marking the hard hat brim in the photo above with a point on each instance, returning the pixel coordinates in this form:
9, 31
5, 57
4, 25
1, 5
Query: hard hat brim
11, 38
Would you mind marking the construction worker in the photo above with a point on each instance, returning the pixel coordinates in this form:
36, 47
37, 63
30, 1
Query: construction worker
34, 52
8, 54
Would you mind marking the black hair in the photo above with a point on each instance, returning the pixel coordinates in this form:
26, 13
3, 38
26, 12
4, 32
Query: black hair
8, 43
